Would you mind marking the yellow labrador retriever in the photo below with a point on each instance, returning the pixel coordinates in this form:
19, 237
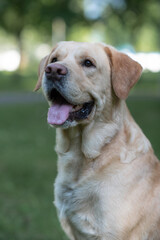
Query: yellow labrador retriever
108, 183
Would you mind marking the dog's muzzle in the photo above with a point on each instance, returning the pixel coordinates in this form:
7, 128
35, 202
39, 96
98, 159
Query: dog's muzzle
62, 109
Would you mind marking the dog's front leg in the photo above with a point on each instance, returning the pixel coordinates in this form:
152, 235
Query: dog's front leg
67, 228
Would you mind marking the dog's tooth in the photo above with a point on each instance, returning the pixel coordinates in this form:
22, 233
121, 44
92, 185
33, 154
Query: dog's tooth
77, 107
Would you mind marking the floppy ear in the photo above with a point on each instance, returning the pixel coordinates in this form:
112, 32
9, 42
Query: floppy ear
42, 66
125, 72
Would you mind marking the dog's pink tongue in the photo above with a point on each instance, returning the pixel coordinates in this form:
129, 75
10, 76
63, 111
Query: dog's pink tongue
58, 114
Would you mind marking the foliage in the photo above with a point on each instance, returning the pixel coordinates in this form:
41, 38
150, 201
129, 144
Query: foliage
137, 22
15, 15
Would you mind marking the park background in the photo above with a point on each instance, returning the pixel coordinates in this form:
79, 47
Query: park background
28, 31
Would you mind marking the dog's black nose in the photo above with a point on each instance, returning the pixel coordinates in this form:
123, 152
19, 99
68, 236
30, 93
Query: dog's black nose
54, 71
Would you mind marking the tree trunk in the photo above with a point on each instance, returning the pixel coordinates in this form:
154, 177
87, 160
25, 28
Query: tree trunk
23, 57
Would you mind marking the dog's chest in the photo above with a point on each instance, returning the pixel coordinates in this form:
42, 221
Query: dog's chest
82, 204
79, 207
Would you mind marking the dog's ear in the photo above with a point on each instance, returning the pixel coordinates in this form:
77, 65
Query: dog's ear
125, 72
42, 66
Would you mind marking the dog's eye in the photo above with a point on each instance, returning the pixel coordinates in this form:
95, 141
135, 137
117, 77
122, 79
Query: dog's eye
88, 63
54, 60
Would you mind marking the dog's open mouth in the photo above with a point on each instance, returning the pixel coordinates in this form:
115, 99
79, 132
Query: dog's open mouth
61, 110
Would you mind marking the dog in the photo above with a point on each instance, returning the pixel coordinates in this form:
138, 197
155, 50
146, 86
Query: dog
108, 183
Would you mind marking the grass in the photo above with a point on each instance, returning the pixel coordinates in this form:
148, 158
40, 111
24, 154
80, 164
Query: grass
28, 167
18, 81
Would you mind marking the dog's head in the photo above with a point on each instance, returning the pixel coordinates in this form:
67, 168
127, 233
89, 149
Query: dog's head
80, 80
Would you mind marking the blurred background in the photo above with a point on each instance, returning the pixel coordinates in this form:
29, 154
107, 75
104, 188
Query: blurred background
28, 31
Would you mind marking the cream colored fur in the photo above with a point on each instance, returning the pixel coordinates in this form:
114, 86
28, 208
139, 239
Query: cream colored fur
108, 183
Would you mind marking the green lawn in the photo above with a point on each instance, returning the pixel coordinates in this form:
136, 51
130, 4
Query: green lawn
27, 172
28, 167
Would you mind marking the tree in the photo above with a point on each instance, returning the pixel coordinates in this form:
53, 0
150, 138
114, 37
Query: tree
121, 23
15, 15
